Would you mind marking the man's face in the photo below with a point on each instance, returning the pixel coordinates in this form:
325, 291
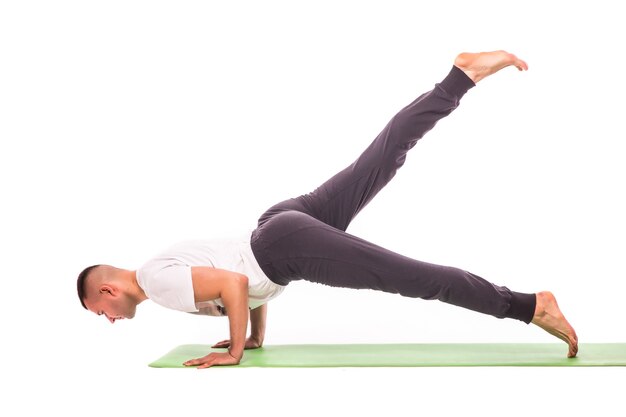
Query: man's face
111, 303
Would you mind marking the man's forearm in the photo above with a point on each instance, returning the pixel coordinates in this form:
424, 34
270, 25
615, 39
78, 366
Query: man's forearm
235, 298
258, 318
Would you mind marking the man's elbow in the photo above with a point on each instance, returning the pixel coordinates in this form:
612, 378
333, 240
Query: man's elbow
242, 280
237, 289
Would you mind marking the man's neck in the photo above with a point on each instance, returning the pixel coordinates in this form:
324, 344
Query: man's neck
133, 287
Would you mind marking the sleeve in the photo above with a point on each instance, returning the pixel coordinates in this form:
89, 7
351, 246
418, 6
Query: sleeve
171, 287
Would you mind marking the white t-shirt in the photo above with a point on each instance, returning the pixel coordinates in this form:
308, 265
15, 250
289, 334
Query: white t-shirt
166, 278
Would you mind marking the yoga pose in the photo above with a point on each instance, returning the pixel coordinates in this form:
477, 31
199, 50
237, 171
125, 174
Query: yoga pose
305, 238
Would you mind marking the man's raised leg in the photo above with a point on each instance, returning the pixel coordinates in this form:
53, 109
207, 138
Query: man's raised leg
338, 200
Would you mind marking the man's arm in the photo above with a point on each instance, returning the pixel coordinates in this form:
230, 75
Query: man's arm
257, 323
258, 318
212, 283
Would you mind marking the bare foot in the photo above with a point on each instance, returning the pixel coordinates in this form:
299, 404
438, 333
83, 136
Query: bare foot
482, 64
548, 316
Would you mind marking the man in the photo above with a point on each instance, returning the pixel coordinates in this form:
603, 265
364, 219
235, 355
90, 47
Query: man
305, 238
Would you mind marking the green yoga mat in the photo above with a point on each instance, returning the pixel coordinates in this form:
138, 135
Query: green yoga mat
409, 355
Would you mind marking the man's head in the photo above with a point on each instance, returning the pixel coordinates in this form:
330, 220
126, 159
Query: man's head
109, 291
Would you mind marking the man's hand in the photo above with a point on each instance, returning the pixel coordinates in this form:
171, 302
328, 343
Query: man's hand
212, 359
251, 343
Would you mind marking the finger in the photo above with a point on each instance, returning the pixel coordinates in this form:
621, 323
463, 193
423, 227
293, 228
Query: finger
207, 364
223, 343
196, 361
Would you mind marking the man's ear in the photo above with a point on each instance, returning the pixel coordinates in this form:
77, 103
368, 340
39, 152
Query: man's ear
106, 288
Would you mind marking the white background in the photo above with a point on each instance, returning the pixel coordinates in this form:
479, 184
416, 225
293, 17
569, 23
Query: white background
126, 126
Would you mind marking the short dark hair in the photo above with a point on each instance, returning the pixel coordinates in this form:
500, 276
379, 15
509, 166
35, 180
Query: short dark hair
80, 283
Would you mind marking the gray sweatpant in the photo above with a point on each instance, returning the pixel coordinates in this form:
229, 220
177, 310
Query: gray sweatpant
305, 238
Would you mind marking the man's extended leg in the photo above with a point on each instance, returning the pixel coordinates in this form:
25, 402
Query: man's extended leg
340, 198
293, 245
299, 246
